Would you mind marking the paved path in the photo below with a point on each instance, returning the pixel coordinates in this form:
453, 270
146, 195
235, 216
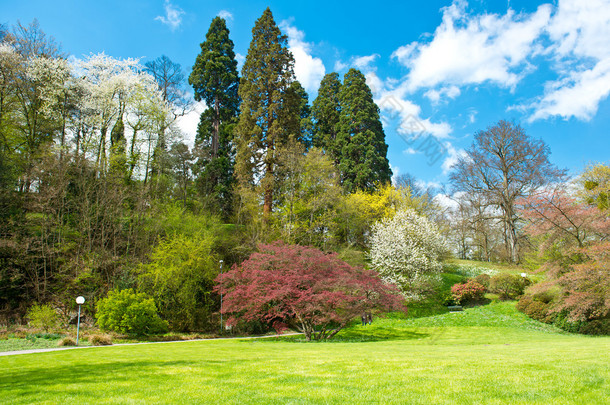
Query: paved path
54, 349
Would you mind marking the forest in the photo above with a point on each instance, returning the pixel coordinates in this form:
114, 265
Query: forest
100, 195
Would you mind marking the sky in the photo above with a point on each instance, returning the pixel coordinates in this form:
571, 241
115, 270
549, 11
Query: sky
440, 71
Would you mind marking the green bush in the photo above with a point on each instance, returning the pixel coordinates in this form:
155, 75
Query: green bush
508, 286
596, 327
483, 279
129, 312
43, 316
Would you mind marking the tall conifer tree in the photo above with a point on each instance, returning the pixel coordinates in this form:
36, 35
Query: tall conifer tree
214, 79
360, 140
266, 122
325, 113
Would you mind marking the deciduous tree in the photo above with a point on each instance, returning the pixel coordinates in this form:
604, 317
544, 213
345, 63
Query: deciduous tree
303, 287
504, 164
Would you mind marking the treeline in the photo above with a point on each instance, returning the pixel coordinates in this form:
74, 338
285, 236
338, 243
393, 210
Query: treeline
98, 190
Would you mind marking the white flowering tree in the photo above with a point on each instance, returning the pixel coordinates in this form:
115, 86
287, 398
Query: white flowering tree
406, 250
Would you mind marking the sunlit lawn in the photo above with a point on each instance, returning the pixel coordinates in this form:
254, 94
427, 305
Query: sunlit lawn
486, 355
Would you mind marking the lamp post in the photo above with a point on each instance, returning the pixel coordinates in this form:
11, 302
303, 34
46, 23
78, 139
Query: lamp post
80, 301
221, 323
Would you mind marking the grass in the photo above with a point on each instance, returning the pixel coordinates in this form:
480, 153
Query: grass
490, 354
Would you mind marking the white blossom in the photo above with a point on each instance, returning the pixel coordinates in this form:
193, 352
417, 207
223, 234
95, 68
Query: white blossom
406, 250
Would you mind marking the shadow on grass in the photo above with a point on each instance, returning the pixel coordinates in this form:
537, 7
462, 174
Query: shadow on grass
30, 382
357, 334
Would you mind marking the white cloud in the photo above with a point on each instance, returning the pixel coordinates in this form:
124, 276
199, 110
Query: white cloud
227, 15
410, 151
453, 156
189, 121
449, 92
394, 105
240, 60
364, 62
472, 49
577, 96
339, 66
173, 15
446, 201
580, 31
308, 69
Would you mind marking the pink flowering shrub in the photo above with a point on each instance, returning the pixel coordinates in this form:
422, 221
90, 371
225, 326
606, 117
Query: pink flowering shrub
469, 291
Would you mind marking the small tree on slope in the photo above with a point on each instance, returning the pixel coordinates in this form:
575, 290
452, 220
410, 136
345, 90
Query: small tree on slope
406, 250
290, 285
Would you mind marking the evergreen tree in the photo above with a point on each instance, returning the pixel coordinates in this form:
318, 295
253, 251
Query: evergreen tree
214, 79
266, 124
360, 140
297, 114
325, 112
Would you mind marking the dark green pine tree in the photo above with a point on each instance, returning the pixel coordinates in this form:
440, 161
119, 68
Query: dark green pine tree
297, 113
215, 80
360, 139
325, 113
266, 123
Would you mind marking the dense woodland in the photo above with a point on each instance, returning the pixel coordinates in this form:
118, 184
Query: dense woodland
100, 192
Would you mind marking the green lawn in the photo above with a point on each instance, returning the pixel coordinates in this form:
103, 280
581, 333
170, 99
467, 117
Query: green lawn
490, 354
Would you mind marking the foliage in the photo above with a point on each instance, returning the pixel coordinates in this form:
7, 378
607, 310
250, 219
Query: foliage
325, 113
508, 286
264, 127
562, 219
406, 250
484, 280
129, 312
43, 316
360, 140
469, 291
301, 286
179, 278
214, 79
595, 183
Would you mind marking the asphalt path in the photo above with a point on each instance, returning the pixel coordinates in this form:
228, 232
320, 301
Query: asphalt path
55, 349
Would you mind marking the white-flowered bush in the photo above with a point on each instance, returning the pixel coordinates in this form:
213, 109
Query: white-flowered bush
407, 250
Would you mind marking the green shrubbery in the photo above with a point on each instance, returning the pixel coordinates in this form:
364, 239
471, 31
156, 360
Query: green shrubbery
43, 316
508, 286
129, 312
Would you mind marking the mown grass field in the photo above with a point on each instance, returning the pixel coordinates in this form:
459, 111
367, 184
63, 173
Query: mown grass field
490, 354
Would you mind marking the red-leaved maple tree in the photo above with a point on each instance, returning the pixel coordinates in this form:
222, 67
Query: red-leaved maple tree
305, 288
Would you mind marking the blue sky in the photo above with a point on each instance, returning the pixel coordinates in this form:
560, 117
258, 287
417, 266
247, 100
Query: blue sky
440, 70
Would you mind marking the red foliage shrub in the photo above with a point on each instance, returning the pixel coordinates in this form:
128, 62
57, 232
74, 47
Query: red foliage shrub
289, 285
469, 291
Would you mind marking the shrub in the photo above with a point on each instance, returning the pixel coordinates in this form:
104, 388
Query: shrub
406, 250
469, 291
596, 327
128, 312
100, 340
508, 286
304, 287
483, 279
43, 316
67, 341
